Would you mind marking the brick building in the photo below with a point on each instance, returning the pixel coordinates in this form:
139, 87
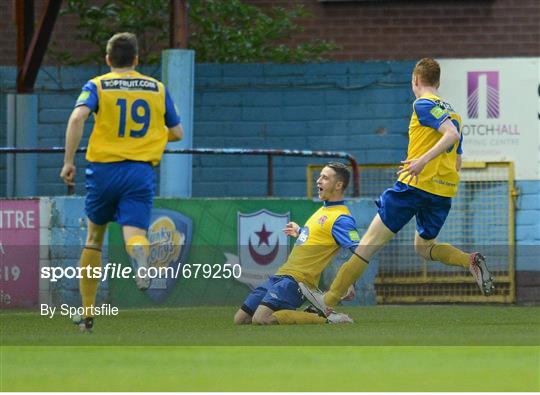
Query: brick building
373, 30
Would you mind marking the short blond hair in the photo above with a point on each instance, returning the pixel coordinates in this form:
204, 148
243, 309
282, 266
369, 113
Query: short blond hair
428, 71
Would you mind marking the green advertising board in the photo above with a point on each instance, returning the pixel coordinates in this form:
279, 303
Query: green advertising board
210, 233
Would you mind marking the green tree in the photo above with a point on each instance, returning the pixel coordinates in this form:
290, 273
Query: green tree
219, 31
97, 23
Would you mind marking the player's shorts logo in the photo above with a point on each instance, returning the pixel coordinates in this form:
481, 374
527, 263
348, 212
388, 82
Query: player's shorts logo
169, 235
474, 86
262, 245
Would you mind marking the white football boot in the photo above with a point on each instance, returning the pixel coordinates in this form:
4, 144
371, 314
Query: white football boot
480, 272
316, 298
338, 318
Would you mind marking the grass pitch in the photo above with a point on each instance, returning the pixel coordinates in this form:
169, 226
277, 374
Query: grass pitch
389, 348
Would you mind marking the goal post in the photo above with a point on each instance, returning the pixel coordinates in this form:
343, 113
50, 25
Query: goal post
481, 219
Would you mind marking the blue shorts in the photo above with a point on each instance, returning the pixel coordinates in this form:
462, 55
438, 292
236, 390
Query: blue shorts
120, 191
397, 205
277, 293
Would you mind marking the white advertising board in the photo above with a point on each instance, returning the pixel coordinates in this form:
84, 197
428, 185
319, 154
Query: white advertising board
499, 102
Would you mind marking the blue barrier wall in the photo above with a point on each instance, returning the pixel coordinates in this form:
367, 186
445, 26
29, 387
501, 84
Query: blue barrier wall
362, 108
68, 235
359, 107
528, 226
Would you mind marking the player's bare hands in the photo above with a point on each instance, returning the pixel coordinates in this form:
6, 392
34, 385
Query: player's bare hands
292, 229
411, 169
68, 174
350, 295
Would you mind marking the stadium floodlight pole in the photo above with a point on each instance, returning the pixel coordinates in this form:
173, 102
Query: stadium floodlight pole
227, 151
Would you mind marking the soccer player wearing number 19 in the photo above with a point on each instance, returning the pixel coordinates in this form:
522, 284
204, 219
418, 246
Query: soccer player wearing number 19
134, 118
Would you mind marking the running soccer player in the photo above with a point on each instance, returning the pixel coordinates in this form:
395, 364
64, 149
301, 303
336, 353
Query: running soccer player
318, 241
428, 179
134, 118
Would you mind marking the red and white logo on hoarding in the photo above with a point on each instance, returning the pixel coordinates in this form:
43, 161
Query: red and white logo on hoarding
262, 245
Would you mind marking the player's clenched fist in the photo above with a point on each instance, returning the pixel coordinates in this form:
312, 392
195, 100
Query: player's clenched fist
68, 174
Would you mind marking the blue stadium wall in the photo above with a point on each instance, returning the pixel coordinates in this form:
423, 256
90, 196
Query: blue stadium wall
362, 108
359, 107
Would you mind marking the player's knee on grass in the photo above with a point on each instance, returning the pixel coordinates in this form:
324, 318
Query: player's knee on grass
242, 318
264, 316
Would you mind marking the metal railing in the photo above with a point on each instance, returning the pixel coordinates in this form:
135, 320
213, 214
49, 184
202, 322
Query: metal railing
269, 153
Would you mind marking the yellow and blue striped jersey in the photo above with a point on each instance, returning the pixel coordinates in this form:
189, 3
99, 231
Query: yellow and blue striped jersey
132, 115
440, 175
325, 232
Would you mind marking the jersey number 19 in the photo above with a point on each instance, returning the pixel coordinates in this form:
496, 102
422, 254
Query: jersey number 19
141, 119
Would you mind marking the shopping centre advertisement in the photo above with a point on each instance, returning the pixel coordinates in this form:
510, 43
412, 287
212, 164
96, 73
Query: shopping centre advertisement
499, 102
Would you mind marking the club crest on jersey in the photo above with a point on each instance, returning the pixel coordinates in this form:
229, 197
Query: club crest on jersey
322, 219
262, 244
169, 235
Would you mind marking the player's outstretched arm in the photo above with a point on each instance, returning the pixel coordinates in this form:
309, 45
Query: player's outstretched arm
176, 133
413, 167
74, 134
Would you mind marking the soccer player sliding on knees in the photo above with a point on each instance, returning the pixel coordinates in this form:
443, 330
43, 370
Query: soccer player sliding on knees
330, 228
426, 183
134, 118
